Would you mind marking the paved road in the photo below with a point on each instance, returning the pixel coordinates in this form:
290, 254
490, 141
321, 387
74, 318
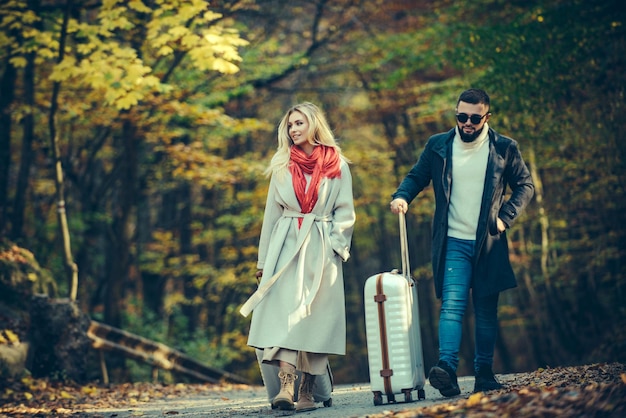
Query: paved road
348, 401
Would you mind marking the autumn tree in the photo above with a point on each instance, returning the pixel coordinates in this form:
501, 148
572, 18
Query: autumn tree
119, 105
163, 143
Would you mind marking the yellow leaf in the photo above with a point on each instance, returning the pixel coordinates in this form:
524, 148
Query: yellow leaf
139, 6
224, 66
28, 396
18, 62
107, 4
64, 70
623, 376
210, 16
85, 49
474, 399
66, 395
178, 31
30, 17
165, 50
149, 81
89, 390
128, 101
11, 336
190, 40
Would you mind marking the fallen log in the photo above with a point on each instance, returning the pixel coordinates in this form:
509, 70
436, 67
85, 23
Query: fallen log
108, 338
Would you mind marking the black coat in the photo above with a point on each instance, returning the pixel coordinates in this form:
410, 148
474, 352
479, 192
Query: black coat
492, 268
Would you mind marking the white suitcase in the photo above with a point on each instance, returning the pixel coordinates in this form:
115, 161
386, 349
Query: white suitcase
394, 344
322, 389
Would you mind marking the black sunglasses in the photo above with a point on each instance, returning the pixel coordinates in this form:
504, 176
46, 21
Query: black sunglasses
475, 119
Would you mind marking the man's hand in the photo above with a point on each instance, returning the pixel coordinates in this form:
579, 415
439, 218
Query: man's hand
398, 205
500, 225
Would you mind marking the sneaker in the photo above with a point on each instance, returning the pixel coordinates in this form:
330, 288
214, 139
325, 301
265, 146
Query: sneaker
485, 380
443, 378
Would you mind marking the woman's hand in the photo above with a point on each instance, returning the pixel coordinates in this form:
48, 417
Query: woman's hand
398, 205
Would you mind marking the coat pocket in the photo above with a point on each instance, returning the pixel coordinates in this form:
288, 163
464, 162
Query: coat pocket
493, 222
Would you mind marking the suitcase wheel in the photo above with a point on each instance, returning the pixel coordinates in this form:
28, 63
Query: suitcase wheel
421, 394
391, 398
408, 397
378, 398
328, 403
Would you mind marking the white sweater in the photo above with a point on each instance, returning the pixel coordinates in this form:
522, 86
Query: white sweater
469, 165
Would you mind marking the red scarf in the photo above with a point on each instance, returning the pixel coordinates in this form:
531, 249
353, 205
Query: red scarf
323, 162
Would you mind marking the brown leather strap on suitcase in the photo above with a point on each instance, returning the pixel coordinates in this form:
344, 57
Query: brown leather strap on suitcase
386, 371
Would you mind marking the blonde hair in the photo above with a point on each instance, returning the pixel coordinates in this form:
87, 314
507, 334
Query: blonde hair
319, 133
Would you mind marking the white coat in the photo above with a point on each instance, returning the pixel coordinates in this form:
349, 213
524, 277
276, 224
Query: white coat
304, 310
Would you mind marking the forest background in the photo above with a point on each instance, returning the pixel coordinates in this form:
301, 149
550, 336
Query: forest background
134, 134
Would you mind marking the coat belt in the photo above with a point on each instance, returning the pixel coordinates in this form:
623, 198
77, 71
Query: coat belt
305, 230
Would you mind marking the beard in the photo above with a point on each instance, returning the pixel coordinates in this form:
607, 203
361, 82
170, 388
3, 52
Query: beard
469, 137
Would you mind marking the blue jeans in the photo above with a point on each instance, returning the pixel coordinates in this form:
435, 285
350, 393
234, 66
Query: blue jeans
457, 281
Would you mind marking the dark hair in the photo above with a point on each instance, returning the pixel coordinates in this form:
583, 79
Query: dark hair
474, 96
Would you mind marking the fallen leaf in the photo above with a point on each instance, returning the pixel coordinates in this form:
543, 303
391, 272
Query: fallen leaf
11, 336
474, 399
89, 390
66, 395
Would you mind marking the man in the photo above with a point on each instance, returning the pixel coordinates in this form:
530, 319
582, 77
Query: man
470, 167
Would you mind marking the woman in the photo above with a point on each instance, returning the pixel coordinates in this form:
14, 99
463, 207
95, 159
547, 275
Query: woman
299, 310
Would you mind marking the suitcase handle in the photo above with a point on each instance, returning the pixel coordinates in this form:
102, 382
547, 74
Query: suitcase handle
404, 248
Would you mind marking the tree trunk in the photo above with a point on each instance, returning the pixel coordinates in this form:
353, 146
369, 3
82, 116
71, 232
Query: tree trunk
543, 217
109, 338
7, 93
119, 242
28, 123
70, 267
120, 238
190, 309
58, 337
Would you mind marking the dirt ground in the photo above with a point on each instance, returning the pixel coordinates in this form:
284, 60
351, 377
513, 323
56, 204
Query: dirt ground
355, 400
597, 390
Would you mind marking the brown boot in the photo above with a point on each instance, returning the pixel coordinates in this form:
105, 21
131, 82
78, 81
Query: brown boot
305, 393
284, 399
